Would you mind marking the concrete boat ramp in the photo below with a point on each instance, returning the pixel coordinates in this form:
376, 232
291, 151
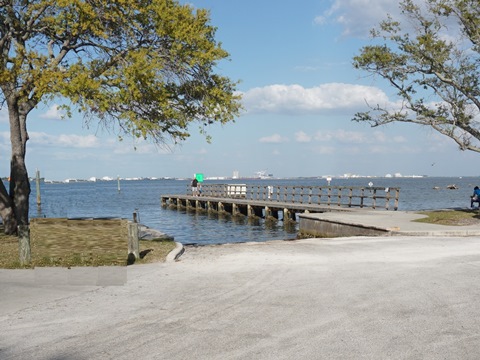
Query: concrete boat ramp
363, 222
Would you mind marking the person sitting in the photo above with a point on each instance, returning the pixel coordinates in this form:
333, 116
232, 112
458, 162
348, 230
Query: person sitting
475, 197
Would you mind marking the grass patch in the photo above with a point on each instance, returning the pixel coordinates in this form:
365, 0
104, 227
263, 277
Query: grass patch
154, 250
78, 243
463, 217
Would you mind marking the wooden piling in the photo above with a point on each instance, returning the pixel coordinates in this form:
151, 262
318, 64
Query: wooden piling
133, 241
37, 181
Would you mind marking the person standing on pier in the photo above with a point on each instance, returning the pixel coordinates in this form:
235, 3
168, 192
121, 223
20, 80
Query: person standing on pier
195, 187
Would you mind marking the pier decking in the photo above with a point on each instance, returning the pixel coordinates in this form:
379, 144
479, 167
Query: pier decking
283, 202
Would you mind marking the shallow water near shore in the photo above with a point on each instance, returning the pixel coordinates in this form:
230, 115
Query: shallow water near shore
102, 199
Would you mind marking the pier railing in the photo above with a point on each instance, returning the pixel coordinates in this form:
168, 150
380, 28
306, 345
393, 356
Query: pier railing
351, 196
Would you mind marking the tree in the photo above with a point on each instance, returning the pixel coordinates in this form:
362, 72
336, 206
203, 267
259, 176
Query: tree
433, 63
143, 68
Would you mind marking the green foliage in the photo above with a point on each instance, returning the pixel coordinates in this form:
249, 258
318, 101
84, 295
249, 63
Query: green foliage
432, 61
144, 68
141, 68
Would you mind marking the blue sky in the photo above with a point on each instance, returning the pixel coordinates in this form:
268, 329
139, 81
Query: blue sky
293, 60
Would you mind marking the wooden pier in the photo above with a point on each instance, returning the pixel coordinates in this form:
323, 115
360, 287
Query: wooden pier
282, 202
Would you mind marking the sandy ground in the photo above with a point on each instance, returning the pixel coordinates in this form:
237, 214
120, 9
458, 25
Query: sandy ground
348, 298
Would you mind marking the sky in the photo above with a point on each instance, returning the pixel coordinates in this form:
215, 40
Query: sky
293, 61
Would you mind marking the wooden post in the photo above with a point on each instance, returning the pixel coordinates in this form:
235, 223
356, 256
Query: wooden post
235, 210
133, 242
37, 180
24, 244
268, 212
209, 206
387, 198
397, 194
287, 215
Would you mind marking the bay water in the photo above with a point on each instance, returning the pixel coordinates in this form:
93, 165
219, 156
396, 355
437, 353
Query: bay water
102, 199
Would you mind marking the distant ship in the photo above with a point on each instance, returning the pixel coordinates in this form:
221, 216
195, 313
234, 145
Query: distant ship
263, 175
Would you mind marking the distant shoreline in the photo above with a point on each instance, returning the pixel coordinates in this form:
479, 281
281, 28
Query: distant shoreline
322, 177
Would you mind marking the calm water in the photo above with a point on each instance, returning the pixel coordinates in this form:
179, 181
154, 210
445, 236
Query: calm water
102, 199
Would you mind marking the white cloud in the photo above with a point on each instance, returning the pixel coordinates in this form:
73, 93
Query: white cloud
358, 17
275, 138
53, 113
302, 137
323, 136
349, 137
352, 137
295, 99
78, 141
381, 137
64, 140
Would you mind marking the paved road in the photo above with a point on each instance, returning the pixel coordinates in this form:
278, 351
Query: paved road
347, 298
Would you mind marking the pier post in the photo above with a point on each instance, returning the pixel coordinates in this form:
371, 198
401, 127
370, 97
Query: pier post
37, 181
397, 194
268, 212
286, 215
235, 210
133, 241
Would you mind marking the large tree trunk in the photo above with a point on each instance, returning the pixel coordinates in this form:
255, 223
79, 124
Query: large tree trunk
19, 189
14, 206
